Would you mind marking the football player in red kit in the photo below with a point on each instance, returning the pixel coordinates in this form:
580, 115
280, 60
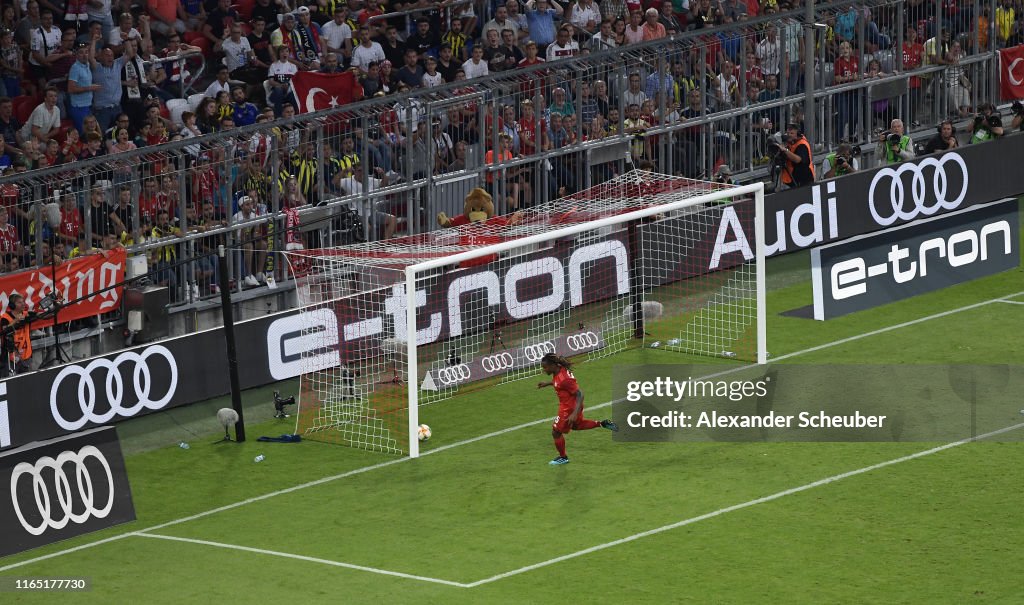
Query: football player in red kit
570, 404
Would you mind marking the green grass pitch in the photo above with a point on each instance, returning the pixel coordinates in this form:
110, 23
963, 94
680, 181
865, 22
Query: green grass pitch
481, 518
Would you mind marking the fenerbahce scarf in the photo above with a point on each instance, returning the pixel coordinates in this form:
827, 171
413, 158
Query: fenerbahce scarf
305, 43
133, 69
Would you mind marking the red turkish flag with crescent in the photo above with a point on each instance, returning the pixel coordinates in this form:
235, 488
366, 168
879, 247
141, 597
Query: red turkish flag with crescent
1011, 72
315, 91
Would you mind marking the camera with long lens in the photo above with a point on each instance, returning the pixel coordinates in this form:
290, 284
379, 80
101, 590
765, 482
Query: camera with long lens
893, 139
349, 225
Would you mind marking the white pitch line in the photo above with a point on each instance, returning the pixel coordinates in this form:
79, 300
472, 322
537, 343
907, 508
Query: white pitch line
373, 467
286, 555
905, 324
735, 507
1011, 302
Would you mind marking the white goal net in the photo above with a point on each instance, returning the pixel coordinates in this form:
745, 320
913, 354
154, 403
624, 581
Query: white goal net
643, 260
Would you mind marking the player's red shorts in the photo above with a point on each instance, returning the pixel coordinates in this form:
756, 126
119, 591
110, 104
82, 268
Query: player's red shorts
561, 423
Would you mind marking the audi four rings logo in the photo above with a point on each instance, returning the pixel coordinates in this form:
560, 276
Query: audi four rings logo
114, 388
919, 193
500, 361
453, 374
583, 340
535, 352
67, 499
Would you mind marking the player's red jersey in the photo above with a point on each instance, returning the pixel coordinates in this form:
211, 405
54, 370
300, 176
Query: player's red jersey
566, 388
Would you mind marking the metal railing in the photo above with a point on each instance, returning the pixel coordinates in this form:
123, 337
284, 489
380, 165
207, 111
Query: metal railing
432, 144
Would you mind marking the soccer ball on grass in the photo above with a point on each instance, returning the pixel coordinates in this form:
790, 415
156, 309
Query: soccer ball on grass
423, 432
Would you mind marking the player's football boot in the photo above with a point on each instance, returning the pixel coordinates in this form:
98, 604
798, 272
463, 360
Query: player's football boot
559, 460
611, 426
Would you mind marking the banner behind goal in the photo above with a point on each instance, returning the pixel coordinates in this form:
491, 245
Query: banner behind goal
643, 260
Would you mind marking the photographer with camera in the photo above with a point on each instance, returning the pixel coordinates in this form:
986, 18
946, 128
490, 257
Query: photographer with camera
894, 145
988, 124
1018, 116
16, 337
841, 162
944, 139
794, 156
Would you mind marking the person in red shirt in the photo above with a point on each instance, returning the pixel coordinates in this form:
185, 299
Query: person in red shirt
847, 70
913, 52
570, 404
70, 220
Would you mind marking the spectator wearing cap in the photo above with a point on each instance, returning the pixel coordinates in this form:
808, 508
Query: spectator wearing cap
653, 29
336, 35
424, 40
80, 87
541, 21
218, 23
368, 50
306, 44
447, 66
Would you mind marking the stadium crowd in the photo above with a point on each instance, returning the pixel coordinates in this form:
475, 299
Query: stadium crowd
88, 78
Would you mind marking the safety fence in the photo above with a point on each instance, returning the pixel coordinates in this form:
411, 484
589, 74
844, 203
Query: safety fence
684, 105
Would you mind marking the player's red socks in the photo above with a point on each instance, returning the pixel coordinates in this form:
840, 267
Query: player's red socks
560, 446
584, 425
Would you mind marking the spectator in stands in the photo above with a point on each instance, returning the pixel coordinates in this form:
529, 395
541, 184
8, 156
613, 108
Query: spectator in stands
31, 21
958, 86
511, 51
585, 16
218, 23
541, 22
604, 38
500, 22
336, 35
124, 31
267, 10
10, 241
431, 77
424, 40
840, 162
222, 83
446, 64
411, 73
653, 29
168, 16
10, 65
564, 46
240, 60
392, 45
278, 84
476, 67
46, 41
44, 122
80, 87
107, 74
10, 129
305, 41
367, 51
668, 18
244, 113
634, 33
353, 185
99, 11
137, 86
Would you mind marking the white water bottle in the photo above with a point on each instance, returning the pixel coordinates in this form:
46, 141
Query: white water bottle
184, 445
259, 458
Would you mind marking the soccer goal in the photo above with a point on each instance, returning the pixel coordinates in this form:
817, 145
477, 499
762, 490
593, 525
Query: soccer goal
643, 260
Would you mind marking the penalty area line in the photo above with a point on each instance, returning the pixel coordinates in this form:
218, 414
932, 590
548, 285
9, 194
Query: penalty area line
308, 559
736, 507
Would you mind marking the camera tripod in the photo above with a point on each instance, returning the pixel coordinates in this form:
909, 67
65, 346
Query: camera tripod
56, 355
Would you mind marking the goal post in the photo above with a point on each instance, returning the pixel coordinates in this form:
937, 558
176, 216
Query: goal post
644, 260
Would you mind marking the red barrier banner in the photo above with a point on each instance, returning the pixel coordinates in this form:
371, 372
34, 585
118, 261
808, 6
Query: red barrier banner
78, 278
